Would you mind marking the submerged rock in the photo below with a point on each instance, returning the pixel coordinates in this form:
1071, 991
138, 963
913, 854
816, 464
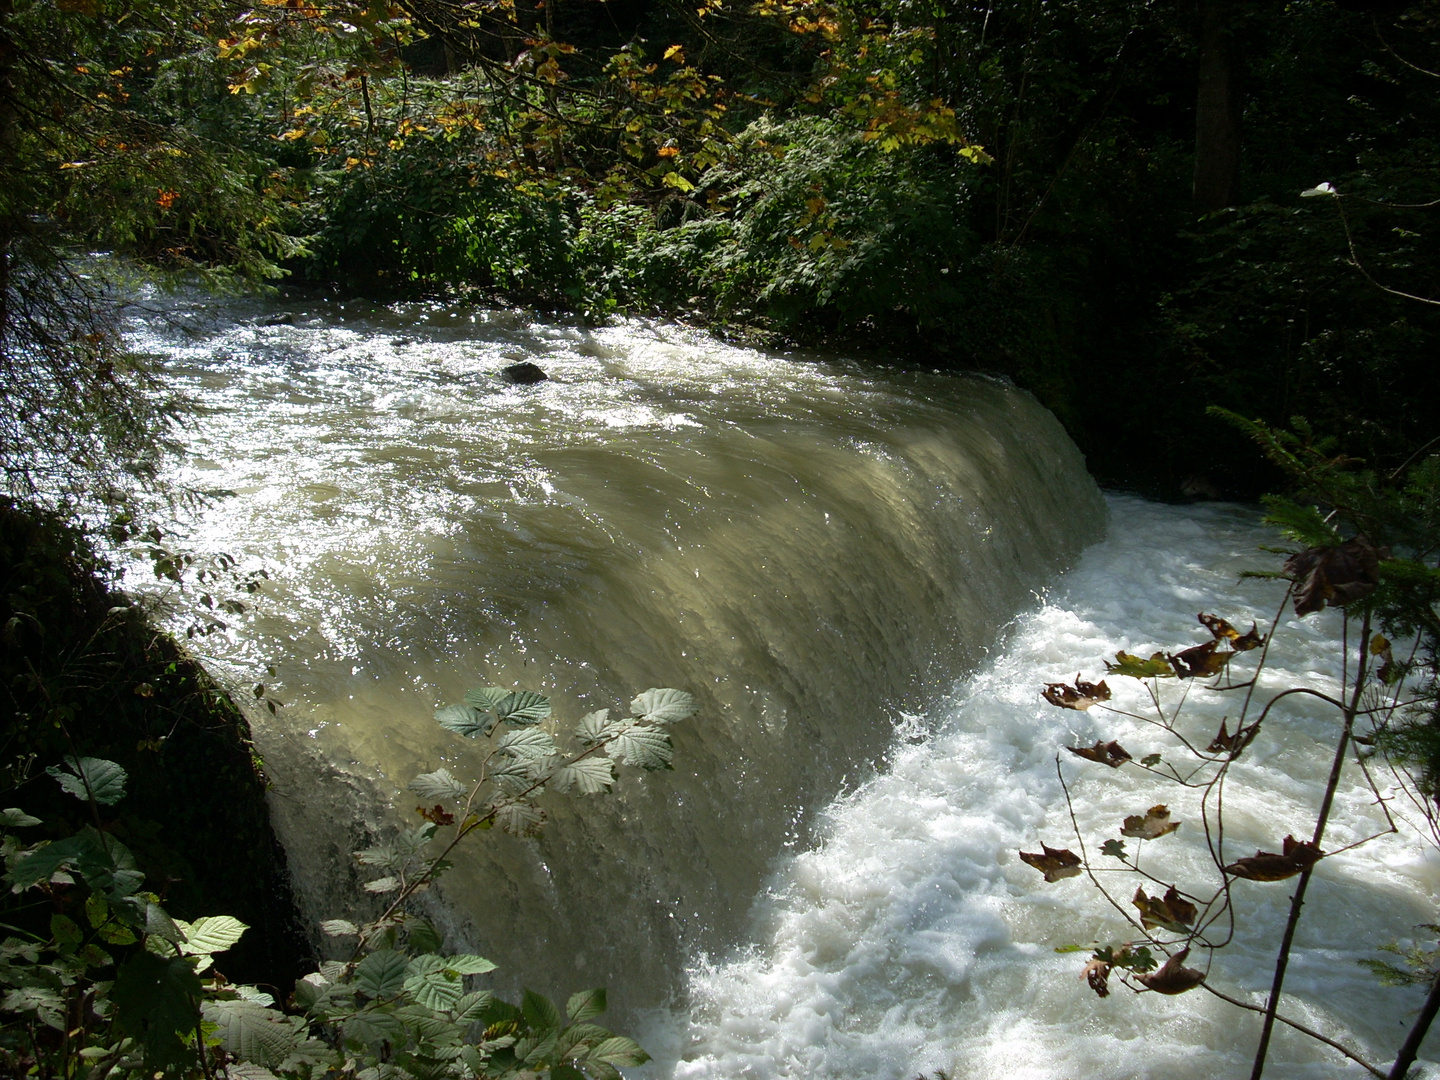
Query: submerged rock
523, 374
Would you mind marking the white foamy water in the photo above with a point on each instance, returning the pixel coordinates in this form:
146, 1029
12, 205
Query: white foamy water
912, 939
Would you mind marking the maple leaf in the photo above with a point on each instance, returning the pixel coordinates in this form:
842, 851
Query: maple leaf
1054, 863
1297, 855
1136, 668
1151, 825
1223, 631
1111, 753
1200, 661
1173, 977
1225, 743
1335, 575
436, 815
1080, 696
1171, 912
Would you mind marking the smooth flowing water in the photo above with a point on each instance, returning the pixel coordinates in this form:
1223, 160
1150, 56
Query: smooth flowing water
812, 548
855, 571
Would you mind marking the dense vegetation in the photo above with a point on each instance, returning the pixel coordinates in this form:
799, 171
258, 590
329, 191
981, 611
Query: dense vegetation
1101, 200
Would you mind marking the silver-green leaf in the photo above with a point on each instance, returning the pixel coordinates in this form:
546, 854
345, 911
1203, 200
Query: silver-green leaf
485, 698
527, 743
523, 707
646, 747
591, 728
590, 775
463, 720
663, 705
438, 785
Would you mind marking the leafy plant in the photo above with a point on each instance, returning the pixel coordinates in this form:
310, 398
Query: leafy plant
1371, 552
400, 1007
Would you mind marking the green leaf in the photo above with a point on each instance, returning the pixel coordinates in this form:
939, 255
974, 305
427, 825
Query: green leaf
565, 1071
618, 1050
381, 974
339, 928
663, 706
523, 707
383, 885
646, 747
16, 819
591, 775
463, 720
586, 1005
1138, 668
439, 786
485, 698
469, 964
1114, 848
106, 779
540, 1013
1150, 760
421, 935
431, 982
373, 1027
471, 1007
158, 923
97, 911
210, 934
66, 934
253, 1032
155, 1003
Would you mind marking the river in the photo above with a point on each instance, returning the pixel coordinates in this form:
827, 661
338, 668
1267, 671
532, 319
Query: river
858, 572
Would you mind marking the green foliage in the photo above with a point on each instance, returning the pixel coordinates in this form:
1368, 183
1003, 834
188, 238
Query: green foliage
123, 980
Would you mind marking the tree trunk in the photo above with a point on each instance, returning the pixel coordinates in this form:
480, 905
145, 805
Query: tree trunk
1218, 109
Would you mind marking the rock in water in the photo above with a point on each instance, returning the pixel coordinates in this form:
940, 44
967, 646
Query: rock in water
523, 374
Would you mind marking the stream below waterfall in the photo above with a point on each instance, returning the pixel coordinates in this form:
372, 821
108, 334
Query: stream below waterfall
865, 577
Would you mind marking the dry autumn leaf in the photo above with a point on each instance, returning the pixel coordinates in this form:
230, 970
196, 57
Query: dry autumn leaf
1080, 696
1297, 855
1054, 863
1335, 575
1223, 631
1225, 743
1172, 977
1170, 912
1097, 974
1111, 753
1151, 825
1200, 661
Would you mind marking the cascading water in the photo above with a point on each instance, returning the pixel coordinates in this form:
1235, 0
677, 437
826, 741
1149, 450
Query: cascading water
910, 938
810, 548
816, 551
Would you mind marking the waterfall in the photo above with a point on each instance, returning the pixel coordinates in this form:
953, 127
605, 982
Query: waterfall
815, 549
